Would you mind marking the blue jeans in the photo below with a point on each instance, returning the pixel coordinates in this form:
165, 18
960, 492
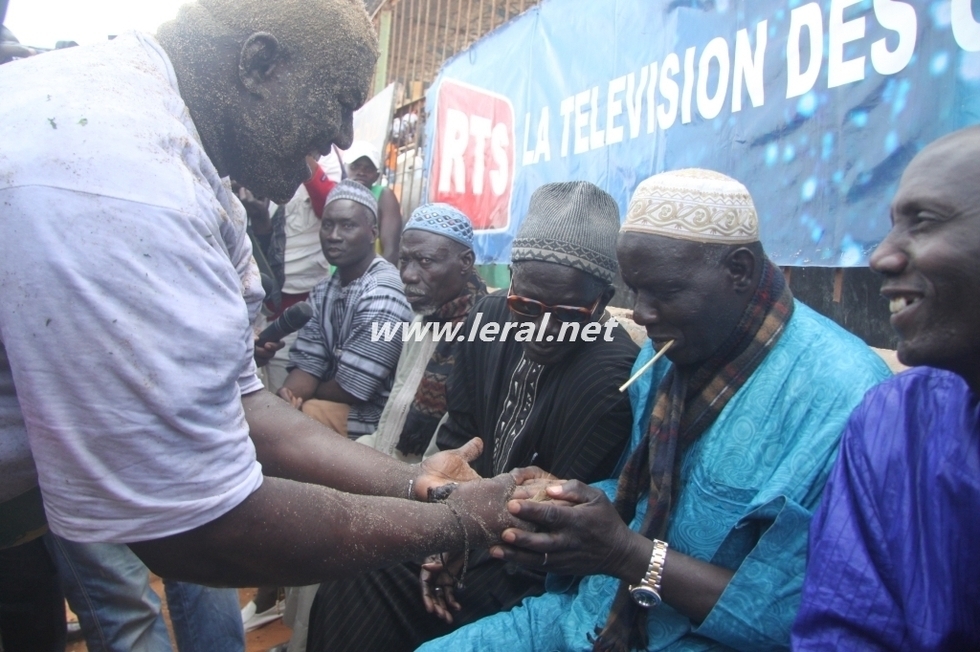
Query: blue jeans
108, 587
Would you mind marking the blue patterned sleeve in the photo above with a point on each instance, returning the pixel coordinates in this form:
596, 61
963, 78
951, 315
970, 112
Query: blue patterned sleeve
757, 609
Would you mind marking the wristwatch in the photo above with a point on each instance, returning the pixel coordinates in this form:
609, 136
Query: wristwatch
647, 592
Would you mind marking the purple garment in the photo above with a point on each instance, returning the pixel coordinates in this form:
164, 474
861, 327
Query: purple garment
894, 558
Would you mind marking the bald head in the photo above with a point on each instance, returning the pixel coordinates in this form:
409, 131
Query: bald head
335, 28
930, 260
956, 156
268, 83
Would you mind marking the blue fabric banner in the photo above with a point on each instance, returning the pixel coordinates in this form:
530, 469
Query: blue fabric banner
815, 107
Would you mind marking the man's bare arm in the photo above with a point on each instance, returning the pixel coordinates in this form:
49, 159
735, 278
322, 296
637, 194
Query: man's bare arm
332, 391
389, 225
289, 533
299, 384
291, 445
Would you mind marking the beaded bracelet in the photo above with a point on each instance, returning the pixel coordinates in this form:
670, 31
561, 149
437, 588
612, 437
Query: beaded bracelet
458, 581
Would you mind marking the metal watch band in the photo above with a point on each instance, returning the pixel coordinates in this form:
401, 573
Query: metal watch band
652, 579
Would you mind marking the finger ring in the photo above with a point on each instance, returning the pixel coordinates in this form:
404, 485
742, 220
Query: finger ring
545, 562
438, 589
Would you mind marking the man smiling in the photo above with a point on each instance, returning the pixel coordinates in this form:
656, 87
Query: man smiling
341, 376
893, 548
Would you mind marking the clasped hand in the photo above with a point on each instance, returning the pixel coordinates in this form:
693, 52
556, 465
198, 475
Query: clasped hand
440, 574
579, 532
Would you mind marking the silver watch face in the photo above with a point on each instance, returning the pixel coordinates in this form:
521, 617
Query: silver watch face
645, 596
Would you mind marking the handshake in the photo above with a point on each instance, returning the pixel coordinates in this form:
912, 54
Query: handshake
542, 523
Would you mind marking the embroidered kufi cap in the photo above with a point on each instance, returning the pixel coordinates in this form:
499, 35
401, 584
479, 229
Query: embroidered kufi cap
573, 224
352, 190
444, 220
693, 204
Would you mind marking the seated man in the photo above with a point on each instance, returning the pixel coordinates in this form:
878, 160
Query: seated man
550, 403
289, 240
734, 439
340, 376
436, 264
442, 287
893, 546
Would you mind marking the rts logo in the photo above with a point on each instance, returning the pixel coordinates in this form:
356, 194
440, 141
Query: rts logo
473, 164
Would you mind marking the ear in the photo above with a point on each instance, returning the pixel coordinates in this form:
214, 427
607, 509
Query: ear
741, 265
467, 259
261, 55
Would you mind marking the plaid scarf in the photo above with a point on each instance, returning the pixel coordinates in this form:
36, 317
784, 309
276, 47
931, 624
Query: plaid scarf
687, 402
430, 399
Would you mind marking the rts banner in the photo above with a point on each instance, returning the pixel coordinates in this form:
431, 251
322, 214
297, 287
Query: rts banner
815, 107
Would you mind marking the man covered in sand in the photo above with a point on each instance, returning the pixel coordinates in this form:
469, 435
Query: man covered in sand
129, 290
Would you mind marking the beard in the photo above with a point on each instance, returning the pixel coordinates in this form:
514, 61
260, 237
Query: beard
265, 177
426, 307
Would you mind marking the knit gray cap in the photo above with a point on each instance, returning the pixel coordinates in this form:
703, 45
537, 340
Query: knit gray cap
575, 224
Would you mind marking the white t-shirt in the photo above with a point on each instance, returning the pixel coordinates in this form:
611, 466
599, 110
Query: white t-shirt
127, 293
305, 265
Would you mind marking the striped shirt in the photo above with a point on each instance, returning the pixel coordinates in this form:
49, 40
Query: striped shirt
336, 342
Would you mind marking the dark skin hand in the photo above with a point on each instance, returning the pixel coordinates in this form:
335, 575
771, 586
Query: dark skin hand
440, 572
588, 537
257, 210
266, 352
273, 536
331, 390
301, 386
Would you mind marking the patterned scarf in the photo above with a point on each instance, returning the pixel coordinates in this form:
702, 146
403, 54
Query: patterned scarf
687, 402
430, 398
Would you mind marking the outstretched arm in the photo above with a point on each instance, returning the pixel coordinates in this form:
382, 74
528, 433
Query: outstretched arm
291, 445
293, 532
290, 533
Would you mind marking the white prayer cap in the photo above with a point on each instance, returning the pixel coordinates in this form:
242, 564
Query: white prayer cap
693, 204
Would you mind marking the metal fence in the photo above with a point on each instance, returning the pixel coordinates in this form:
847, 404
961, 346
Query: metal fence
415, 38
